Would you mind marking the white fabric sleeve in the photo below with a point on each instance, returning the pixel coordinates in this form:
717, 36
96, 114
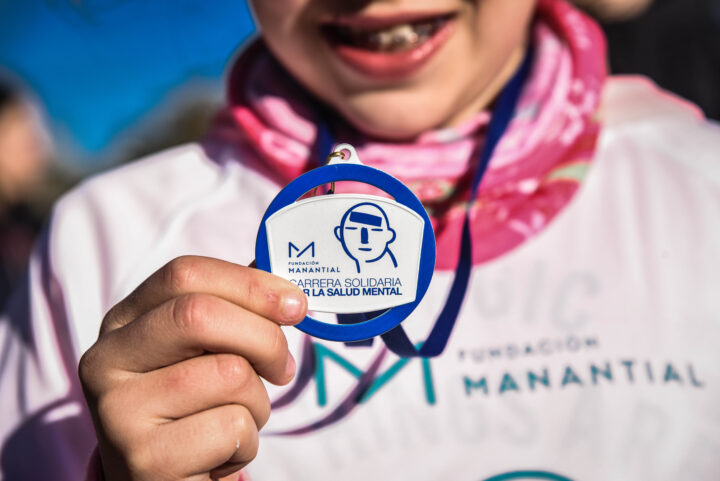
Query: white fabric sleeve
45, 430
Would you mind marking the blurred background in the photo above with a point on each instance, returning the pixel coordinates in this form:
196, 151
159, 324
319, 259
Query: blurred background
88, 84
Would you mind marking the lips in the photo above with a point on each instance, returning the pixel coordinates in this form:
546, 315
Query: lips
388, 47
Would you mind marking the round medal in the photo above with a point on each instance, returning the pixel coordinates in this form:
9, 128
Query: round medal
349, 253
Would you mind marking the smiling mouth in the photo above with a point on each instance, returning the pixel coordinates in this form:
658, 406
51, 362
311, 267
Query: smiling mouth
399, 37
391, 47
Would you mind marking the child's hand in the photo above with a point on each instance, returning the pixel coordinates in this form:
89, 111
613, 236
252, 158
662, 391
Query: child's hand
173, 382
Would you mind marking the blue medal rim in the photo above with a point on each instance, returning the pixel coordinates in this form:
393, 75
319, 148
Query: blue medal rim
385, 182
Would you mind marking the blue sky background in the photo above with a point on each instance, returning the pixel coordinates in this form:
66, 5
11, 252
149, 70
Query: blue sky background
98, 66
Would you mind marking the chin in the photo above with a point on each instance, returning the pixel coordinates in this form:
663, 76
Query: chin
391, 131
393, 121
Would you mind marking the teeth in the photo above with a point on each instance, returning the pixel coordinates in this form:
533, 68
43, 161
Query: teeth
396, 38
403, 35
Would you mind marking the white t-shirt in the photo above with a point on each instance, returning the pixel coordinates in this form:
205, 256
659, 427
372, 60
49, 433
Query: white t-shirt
590, 352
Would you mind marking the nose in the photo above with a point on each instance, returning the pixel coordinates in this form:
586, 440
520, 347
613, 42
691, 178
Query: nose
364, 236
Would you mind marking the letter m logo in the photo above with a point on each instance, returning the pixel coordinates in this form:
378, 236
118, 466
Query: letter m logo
323, 353
293, 248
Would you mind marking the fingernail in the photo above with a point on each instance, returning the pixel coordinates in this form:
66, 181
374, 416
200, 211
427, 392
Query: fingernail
290, 366
292, 307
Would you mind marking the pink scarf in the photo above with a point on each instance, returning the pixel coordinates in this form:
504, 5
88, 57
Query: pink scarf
537, 166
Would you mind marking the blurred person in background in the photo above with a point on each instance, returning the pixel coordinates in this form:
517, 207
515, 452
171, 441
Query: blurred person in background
676, 43
24, 158
586, 347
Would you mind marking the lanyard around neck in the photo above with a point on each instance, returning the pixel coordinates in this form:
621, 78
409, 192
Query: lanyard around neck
396, 339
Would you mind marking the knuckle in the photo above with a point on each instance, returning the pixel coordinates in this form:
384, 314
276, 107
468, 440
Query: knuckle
93, 374
236, 419
237, 374
191, 311
234, 371
110, 320
87, 367
180, 272
143, 461
123, 312
243, 425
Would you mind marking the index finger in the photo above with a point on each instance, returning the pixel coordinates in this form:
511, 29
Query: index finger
257, 291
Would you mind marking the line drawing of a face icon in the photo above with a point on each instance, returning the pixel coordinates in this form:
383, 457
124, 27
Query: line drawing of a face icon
365, 234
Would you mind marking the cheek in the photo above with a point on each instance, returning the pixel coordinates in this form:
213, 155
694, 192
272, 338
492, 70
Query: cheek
487, 37
498, 27
487, 42
272, 13
289, 32
279, 21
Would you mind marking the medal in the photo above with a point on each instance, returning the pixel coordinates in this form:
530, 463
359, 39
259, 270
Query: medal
349, 253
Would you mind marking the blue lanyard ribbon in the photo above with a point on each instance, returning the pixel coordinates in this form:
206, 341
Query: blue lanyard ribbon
396, 339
